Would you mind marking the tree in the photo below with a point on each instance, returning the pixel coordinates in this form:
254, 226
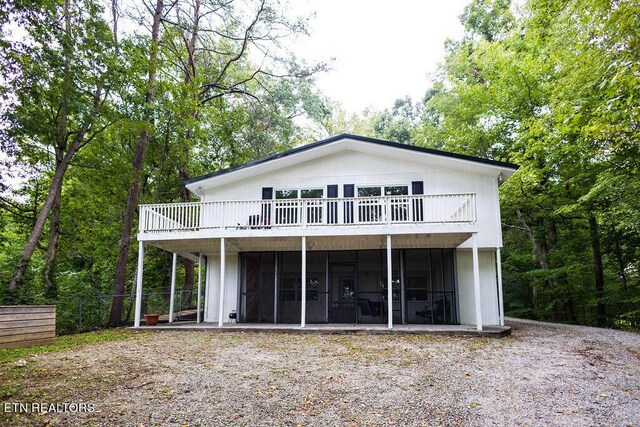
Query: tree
60, 77
138, 162
211, 43
554, 91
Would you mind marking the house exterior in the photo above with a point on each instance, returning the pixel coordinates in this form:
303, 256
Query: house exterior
345, 230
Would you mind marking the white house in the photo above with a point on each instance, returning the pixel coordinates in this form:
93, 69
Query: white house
345, 230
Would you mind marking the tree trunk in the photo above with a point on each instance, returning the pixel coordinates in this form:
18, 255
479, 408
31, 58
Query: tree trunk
598, 271
53, 197
188, 265
138, 162
54, 188
621, 267
539, 252
189, 74
49, 279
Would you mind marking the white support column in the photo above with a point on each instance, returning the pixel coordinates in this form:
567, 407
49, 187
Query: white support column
223, 263
500, 299
303, 308
198, 319
173, 287
206, 289
476, 281
136, 321
389, 283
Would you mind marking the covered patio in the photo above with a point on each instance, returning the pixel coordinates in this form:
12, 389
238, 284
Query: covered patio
216, 248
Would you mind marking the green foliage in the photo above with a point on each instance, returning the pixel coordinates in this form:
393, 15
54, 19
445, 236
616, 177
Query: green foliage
487, 18
556, 91
261, 104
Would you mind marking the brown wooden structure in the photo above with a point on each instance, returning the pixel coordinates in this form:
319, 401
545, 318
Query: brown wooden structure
27, 325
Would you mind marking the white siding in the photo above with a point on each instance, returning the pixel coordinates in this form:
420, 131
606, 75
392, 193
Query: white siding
231, 287
359, 168
488, 287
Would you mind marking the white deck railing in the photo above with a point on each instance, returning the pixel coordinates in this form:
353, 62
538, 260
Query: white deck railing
265, 214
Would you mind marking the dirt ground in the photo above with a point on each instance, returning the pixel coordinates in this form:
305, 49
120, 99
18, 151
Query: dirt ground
541, 375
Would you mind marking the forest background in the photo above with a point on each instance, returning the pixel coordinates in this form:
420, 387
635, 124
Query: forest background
95, 120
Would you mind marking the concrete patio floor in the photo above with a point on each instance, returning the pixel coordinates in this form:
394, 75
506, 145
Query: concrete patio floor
336, 328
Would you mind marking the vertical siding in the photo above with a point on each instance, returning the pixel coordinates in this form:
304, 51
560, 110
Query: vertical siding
231, 287
488, 287
350, 167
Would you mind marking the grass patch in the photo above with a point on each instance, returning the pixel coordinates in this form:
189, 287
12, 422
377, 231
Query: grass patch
68, 342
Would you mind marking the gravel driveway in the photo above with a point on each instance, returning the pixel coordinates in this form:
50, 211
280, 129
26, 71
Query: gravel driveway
542, 374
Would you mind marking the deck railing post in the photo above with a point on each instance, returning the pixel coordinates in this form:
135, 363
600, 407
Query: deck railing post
303, 216
388, 207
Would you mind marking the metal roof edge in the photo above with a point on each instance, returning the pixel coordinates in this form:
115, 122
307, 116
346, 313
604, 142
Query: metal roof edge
326, 141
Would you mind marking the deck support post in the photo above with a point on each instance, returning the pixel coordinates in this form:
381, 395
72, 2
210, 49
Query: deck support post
206, 289
223, 262
476, 281
389, 283
136, 321
173, 287
303, 285
198, 319
500, 298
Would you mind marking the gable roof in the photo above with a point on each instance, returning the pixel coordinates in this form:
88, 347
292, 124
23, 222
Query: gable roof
345, 136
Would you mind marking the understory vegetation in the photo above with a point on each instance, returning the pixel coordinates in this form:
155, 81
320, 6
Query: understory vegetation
104, 108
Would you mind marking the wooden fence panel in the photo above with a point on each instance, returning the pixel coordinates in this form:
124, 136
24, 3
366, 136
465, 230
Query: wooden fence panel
27, 325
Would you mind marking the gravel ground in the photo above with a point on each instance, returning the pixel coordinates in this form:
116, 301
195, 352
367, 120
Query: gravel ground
543, 374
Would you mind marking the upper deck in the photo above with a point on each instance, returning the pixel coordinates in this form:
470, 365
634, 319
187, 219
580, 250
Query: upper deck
406, 214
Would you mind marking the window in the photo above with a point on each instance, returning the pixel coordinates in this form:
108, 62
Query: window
377, 190
286, 194
369, 191
307, 193
372, 210
315, 193
396, 190
289, 207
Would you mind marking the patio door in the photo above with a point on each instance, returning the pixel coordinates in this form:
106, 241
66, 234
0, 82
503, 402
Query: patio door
257, 288
343, 293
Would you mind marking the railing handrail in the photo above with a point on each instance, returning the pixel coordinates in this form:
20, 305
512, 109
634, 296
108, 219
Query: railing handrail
329, 199
325, 211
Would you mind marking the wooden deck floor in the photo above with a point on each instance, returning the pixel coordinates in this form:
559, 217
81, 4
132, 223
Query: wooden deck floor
337, 328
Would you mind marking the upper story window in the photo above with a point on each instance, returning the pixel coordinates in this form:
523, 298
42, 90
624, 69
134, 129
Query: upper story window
306, 193
379, 190
371, 210
289, 210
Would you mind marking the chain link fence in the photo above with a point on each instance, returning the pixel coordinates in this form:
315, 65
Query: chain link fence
88, 313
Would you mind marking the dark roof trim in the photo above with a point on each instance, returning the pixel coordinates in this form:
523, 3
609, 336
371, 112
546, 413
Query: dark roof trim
356, 138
